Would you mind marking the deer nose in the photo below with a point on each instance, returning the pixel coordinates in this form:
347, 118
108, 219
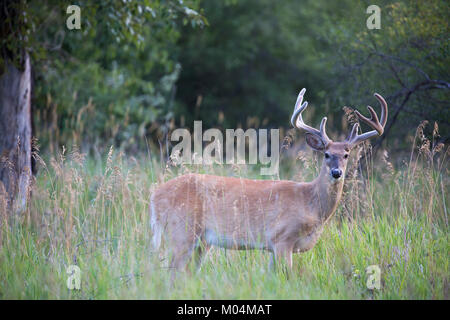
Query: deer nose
336, 173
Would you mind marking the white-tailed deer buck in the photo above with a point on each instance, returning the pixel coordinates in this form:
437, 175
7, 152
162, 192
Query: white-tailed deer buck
195, 211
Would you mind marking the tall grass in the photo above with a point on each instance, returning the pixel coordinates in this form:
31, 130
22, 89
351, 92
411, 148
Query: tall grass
95, 215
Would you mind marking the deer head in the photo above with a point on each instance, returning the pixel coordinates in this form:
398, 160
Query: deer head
337, 153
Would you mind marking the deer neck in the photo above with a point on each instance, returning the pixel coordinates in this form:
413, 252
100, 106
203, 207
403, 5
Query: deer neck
328, 192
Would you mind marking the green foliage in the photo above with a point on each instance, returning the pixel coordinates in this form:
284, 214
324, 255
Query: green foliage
136, 69
250, 62
16, 32
257, 55
406, 60
115, 73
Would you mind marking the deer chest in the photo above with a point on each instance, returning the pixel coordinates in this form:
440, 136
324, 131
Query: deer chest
307, 240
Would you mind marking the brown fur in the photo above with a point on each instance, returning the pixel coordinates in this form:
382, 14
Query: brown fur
279, 216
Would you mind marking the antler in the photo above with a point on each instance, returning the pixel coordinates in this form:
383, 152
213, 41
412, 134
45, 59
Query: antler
355, 138
297, 120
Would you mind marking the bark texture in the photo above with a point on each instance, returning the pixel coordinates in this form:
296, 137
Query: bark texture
15, 135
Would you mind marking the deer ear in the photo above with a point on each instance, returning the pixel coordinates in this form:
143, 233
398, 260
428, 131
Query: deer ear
315, 142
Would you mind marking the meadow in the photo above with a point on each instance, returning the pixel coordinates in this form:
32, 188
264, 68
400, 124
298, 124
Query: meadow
94, 214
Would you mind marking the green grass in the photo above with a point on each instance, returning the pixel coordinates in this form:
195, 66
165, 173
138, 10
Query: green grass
95, 215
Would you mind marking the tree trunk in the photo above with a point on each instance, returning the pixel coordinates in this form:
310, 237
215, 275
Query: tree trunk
15, 135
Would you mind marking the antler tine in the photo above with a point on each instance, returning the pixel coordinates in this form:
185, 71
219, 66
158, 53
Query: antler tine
384, 109
299, 107
373, 122
297, 120
323, 132
354, 132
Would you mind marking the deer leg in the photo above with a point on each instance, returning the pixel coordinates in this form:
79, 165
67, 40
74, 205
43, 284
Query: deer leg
181, 253
180, 257
181, 246
188, 259
282, 256
186, 245
199, 253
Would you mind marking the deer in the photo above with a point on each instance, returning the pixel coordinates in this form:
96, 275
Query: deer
197, 211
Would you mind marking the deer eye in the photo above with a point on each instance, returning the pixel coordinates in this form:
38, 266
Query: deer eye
345, 156
327, 155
